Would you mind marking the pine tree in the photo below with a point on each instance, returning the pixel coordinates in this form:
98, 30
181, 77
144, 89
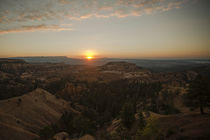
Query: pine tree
198, 95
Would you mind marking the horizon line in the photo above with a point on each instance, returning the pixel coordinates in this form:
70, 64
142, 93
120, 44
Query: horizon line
146, 58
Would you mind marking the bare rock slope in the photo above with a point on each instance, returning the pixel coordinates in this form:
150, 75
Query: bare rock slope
22, 117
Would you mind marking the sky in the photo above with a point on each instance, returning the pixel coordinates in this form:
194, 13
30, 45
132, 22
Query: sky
106, 28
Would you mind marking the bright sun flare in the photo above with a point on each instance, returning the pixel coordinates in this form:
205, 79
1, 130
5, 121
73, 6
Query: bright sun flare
89, 55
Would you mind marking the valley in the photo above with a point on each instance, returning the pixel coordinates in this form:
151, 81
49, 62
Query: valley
116, 100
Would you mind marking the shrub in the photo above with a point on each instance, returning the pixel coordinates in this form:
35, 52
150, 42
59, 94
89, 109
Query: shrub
48, 132
150, 131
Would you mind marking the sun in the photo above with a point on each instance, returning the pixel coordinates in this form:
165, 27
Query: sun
89, 55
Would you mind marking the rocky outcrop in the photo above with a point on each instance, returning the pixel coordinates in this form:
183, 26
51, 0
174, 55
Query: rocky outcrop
5, 60
62, 136
120, 66
87, 137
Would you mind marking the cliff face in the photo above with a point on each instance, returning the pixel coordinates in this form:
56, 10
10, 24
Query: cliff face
12, 65
5, 60
133, 72
24, 116
120, 66
175, 79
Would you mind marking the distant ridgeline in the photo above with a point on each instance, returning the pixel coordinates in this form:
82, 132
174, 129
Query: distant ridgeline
5, 60
156, 65
49, 59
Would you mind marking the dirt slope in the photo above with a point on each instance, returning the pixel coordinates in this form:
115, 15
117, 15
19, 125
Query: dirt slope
189, 125
22, 117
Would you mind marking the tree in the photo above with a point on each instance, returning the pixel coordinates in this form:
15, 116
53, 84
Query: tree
141, 121
127, 115
198, 94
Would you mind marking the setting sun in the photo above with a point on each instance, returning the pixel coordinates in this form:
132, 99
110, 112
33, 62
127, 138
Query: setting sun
89, 55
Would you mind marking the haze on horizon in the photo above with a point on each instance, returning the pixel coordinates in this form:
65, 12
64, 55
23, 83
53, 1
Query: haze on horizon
112, 28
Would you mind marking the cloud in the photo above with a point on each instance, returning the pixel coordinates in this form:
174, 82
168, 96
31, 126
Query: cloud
66, 24
33, 12
64, 1
106, 8
41, 27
